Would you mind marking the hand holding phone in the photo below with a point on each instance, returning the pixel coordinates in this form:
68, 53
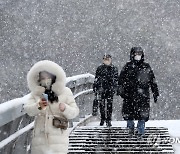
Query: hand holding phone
45, 97
43, 102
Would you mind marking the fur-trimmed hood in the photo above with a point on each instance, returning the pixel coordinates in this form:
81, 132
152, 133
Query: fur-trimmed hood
48, 66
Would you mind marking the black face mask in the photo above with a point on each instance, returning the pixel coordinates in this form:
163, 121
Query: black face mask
51, 95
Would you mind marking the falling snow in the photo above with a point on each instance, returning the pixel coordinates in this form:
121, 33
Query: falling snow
76, 34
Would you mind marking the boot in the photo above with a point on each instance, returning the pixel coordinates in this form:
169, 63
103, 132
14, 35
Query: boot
131, 132
102, 122
140, 137
108, 123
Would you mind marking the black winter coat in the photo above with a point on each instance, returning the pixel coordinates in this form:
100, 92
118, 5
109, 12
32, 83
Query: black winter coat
106, 79
134, 82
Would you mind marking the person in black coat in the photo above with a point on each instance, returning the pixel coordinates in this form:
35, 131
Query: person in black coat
134, 82
105, 86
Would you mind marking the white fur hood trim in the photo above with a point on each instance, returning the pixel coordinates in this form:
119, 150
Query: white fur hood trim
51, 67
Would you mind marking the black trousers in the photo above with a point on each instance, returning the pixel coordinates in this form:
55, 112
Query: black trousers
106, 111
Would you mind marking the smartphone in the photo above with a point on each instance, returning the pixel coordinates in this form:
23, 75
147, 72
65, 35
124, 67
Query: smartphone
45, 96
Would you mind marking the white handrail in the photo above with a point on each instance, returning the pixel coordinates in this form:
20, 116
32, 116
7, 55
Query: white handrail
16, 134
76, 77
83, 92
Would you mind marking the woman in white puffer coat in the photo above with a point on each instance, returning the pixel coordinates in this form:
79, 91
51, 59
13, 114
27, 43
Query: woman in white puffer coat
48, 77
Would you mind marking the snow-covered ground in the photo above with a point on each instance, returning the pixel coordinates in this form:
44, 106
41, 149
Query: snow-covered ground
172, 125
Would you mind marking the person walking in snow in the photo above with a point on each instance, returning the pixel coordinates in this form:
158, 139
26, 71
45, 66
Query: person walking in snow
105, 84
49, 78
134, 82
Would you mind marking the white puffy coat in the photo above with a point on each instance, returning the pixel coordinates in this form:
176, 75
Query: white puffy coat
46, 138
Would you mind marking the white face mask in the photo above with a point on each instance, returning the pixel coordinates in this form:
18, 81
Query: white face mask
137, 57
107, 62
46, 83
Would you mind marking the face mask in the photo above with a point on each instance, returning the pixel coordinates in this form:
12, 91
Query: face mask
137, 57
46, 83
107, 62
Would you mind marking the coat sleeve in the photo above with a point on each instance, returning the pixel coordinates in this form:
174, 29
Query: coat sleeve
153, 84
31, 106
121, 78
96, 80
116, 77
71, 110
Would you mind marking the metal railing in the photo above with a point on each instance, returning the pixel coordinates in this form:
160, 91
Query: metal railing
16, 126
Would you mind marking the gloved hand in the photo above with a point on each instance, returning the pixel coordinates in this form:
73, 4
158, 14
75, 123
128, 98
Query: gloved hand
94, 89
120, 91
113, 90
100, 90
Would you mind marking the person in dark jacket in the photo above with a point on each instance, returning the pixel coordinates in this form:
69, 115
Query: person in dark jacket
105, 85
134, 82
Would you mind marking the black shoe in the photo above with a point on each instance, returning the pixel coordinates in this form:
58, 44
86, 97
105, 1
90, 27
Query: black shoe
140, 137
108, 124
136, 132
102, 123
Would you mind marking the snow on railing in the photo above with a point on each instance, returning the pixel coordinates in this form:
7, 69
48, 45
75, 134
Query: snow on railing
76, 77
83, 92
15, 109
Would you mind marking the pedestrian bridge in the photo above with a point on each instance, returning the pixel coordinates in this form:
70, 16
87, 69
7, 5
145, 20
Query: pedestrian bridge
16, 128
